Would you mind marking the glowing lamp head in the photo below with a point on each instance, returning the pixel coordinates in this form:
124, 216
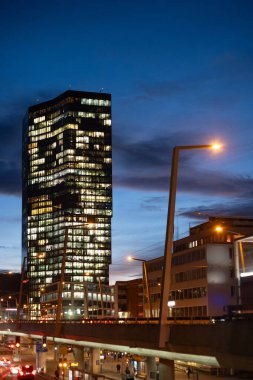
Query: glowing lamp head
216, 146
129, 258
218, 229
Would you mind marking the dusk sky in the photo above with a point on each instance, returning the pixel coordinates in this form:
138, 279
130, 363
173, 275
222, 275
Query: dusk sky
180, 72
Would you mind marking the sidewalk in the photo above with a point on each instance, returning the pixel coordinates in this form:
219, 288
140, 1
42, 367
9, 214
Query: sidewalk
179, 375
113, 375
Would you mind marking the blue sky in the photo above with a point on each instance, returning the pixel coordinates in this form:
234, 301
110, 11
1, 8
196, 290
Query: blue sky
180, 72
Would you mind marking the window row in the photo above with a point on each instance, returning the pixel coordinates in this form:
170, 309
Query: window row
190, 293
188, 257
96, 102
193, 311
194, 274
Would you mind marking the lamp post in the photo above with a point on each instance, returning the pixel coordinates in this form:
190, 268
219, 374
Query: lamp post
169, 235
144, 268
15, 299
1, 308
21, 291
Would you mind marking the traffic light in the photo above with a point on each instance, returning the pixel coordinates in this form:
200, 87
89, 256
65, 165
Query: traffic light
17, 341
44, 341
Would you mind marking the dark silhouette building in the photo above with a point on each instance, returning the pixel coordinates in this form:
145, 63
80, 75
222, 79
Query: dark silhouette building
9, 286
67, 192
129, 298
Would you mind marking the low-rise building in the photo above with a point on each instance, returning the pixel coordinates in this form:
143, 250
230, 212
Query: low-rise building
79, 301
203, 281
129, 298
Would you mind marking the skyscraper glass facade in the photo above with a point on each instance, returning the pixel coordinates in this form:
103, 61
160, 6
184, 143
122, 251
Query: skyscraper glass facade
67, 191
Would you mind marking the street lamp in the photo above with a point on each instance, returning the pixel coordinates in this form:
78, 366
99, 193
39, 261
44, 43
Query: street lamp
15, 298
144, 268
22, 281
3, 309
169, 234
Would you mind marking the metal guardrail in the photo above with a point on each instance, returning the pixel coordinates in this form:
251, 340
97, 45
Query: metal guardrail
115, 321
124, 321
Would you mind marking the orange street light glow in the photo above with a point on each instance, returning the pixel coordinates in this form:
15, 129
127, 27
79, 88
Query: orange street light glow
218, 229
216, 146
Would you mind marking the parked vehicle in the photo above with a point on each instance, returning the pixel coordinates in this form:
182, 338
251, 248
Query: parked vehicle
26, 372
14, 370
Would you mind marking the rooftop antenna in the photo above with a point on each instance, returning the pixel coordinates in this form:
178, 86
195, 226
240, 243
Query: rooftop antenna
101, 90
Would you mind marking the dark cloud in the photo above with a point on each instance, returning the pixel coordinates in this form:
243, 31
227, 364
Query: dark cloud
215, 183
167, 88
11, 120
236, 208
10, 219
10, 180
8, 247
222, 83
145, 165
10, 155
208, 182
152, 153
153, 203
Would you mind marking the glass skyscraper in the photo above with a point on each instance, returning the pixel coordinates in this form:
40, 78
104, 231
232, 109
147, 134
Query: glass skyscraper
67, 192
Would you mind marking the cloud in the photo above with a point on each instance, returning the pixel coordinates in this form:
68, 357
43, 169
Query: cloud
219, 85
10, 153
10, 178
147, 154
11, 120
165, 88
10, 219
237, 208
8, 247
153, 203
145, 165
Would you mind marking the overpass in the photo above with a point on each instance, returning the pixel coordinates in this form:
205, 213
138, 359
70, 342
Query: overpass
225, 344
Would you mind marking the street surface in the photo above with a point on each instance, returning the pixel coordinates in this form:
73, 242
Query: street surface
27, 355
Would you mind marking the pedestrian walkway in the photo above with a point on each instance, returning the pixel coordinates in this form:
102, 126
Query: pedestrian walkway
179, 375
199, 375
115, 375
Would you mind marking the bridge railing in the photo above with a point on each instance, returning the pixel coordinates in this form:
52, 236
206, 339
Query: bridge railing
174, 320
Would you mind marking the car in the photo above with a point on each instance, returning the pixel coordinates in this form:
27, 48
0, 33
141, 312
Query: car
26, 372
14, 370
4, 362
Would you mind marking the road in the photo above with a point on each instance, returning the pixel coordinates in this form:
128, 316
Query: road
27, 356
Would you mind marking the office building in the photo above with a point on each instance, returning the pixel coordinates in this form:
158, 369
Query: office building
80, 301
67, 192
203, 278
129, 298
